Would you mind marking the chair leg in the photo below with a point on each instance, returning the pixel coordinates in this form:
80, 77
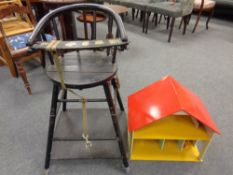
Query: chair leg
160, 18
168, 22
185, 25
197, 21
43, 63
115, 123
153, 18
115, 84
189, 17
133, 13
147, 20
52, 119
137, 13
1, 63
24, 76
181, 22
64, 103
171, 29
8, 59
156, 19
92, 31
143, 16
85, 25
209, 17
122, 15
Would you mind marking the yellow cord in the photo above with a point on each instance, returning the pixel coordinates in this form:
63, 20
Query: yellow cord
52, 48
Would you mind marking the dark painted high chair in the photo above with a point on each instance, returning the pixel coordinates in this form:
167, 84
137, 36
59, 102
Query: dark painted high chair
71, 72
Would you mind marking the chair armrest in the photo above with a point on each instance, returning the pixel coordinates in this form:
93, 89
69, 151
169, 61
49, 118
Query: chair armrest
78, 45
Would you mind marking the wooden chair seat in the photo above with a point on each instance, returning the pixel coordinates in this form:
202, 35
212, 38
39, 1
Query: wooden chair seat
16, 27
208, 4
90, 18
19, 41
85, 72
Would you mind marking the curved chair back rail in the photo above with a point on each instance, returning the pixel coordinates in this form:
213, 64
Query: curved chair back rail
76, 7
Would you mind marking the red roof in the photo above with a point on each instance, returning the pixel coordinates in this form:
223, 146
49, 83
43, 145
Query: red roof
163, 98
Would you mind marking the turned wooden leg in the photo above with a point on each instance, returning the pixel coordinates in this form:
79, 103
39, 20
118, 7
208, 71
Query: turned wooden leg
7, 58
171, 29
185, 25
24, 76
197, 21
209, 17
168, 22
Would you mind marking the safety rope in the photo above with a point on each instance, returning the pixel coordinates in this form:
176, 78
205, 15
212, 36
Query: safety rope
52, 49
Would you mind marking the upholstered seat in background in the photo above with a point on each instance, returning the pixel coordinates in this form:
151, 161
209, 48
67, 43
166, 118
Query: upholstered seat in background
20, 41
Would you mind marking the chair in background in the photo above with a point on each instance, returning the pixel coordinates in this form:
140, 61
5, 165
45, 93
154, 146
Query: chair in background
134, 4
16, 24
16, 21
203, 6
172, 10
87, 18
80, 71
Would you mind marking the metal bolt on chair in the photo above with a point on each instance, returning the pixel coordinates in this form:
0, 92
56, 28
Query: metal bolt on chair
78, 73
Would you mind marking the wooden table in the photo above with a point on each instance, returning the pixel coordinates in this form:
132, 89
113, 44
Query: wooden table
118, 8
61, 2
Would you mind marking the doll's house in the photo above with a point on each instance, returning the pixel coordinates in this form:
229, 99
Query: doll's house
166, 121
